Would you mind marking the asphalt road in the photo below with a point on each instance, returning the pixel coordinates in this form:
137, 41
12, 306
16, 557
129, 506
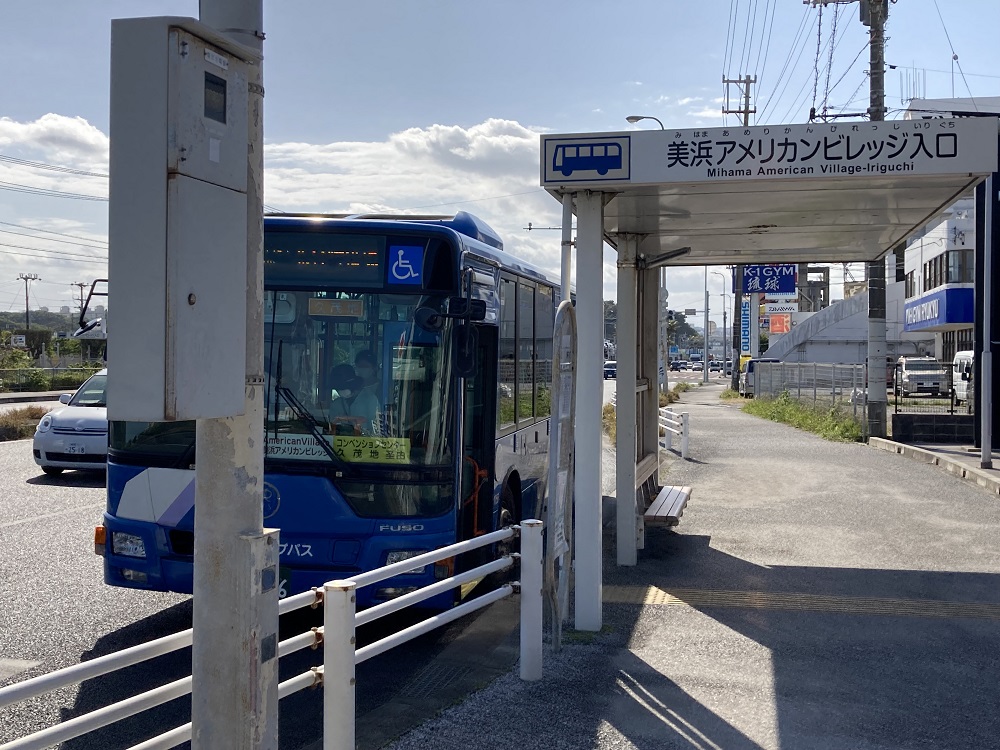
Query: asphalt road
58, 612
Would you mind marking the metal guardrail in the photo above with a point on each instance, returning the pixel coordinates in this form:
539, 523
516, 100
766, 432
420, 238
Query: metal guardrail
337, 635
672, 424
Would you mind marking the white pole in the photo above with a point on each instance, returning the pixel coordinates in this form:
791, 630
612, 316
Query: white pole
986, 368
531, 600
567, 245
235, 618
625, 408
704, 355
339, 608
589, 387
684, 434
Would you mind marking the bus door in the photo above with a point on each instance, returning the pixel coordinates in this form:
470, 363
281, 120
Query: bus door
478, 437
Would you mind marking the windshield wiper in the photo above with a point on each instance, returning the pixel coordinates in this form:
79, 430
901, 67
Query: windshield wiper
300, 411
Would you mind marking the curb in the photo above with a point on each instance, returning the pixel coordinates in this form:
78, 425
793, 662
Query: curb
980, 477
26, 398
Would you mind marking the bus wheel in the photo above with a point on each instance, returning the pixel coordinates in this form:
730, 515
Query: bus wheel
508, 517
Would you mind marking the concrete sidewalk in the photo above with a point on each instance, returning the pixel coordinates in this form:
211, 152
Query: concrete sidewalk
964, 461
816, 595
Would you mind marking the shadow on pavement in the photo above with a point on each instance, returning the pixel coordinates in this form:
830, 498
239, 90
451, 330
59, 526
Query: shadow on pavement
860, 658
72, 478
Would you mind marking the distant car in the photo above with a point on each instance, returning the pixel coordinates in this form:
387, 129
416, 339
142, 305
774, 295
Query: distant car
610, 369
714, 366
921, 375
677, 365
75, 436
698, 366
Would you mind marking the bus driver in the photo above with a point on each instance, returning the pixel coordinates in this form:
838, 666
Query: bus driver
355, 405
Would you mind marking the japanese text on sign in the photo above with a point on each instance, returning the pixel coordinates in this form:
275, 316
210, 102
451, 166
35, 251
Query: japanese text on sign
779, 279
830, 149
355, 449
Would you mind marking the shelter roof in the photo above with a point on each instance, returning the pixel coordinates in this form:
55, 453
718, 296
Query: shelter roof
773, 193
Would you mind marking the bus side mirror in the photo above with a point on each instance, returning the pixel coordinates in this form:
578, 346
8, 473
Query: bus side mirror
466, 339
469, 309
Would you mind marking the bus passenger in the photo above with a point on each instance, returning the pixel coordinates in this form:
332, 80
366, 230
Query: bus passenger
354, 406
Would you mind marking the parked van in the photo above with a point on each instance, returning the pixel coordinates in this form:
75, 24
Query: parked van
921, 375
961, 375
746, 382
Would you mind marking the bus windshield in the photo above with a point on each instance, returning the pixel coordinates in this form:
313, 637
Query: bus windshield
354, 371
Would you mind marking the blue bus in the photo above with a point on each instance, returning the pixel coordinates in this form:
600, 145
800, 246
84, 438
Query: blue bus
408, 362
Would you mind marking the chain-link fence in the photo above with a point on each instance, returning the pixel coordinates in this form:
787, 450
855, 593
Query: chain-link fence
924, 386
819, 384
23, 379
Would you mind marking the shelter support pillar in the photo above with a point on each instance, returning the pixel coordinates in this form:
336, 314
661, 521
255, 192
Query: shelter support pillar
648, 436
625, 410
589, 400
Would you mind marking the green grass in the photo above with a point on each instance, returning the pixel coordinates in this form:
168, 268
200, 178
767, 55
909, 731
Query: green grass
665, 399
17, 424
827, 423
729, 394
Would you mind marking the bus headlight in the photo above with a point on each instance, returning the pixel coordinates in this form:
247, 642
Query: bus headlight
127, 545
398, 555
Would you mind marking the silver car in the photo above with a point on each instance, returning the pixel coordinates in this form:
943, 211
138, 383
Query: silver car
75, 436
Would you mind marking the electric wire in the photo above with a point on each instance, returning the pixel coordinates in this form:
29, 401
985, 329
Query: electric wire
802, 35
829, 62
97, 261
51, 231
53, 239
765, 46
52, 252
954, 56
798, 99
50, 167
752, 24
28, 189
819, 40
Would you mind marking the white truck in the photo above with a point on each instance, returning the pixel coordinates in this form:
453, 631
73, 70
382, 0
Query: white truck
921, 375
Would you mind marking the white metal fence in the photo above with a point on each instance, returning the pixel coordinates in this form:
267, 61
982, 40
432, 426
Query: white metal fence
337, 636
672, 424
840, 387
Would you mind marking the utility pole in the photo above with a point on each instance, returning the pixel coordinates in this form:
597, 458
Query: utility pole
27, 278
877, 10
234, 702
745, 113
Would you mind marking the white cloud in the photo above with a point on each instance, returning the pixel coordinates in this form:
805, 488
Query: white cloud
705, 112
688, 100
489, 169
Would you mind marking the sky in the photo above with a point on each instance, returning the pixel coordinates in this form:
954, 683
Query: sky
437, 105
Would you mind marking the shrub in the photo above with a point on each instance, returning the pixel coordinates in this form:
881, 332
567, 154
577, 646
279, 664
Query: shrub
825, 422
17, 424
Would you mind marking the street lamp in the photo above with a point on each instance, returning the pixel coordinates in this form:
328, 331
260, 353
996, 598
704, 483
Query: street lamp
635, 118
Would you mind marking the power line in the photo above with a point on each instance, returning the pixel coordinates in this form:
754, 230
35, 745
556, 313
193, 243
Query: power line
52, 252
954, 56
50, 167
50, 231
53, 239
18, 188
96, 261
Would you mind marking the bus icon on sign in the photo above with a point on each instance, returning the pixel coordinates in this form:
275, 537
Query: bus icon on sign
589, 157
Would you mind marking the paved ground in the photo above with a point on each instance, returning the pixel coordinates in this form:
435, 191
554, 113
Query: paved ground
815, 595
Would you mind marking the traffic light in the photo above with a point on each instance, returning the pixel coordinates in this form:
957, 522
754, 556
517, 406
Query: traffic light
670, 315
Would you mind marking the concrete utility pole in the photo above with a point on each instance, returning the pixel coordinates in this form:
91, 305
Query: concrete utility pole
745, 113
234, 702
877, 11
27, 278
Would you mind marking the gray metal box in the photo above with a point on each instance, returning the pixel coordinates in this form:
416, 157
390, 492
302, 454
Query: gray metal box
178, 221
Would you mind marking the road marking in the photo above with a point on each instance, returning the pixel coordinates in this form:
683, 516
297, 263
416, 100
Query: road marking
652, 595
11, 667
89, 506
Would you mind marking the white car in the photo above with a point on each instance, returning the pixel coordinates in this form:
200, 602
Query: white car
75, 436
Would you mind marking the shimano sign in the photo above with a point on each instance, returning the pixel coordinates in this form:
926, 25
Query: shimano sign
745, 327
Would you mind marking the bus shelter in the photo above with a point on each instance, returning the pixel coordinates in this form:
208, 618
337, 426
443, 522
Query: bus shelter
840, 192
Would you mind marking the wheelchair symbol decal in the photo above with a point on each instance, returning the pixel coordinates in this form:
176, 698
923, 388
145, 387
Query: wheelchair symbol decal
405, 264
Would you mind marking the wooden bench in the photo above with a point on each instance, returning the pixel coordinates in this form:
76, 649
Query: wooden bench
668, 506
